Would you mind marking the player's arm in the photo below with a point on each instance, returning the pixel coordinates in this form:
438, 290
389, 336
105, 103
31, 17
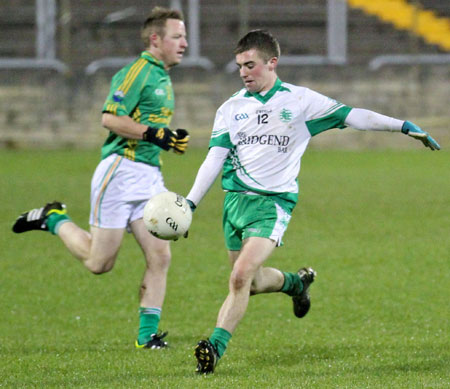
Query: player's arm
124, 126
165, 138
207, 174
363, 119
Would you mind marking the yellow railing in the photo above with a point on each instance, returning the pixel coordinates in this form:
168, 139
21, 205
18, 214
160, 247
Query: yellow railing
406, 16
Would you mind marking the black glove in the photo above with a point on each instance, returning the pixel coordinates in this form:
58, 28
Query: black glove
161, 137
181, 142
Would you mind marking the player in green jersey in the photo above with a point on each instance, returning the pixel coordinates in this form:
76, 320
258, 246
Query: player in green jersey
258, 139
137, 113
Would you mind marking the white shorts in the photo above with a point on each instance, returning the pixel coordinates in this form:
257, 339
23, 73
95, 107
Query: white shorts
120, 188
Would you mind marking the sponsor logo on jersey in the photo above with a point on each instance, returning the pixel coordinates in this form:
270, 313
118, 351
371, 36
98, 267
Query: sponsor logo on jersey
271, 140
242, 135
285, 115
118, 96
160, 92
240, 116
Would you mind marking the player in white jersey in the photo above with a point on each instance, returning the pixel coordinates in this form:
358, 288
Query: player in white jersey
269, 133
258, 139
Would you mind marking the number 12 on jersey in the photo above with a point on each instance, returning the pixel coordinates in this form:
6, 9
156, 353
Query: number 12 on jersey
263, 118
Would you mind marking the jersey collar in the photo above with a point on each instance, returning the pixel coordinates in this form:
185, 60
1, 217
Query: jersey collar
265, 98
150, 58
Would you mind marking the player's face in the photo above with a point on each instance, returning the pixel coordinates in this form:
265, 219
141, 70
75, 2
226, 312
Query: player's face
174, 43
257, 74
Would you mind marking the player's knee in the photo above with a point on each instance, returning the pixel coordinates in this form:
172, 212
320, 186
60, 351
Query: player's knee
99, 265
100, 269
239, 277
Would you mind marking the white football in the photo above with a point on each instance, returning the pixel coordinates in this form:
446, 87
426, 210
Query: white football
167, 216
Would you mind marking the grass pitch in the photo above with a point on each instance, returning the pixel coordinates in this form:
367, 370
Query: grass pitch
375, 226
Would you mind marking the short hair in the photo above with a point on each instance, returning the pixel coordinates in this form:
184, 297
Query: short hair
261, 40
156, 22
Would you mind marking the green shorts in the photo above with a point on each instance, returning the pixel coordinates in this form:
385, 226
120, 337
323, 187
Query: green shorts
247, 215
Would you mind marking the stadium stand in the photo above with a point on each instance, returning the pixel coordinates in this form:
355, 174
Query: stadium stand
438, 6
300, 27
85, 33
422, 22
17, 26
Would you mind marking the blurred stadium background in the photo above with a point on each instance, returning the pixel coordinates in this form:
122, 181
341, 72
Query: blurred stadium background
57, 58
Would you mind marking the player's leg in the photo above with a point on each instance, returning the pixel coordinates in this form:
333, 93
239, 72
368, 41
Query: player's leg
272, 219
153, 288
97, 250
248, 220
267, 217
254, 252
266, 280
296, 285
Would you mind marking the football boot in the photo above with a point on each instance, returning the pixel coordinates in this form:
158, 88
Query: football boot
36, 219
155, 342
302, 302
207, 357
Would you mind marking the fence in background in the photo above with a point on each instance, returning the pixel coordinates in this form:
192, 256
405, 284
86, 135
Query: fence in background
57, 63
335, 21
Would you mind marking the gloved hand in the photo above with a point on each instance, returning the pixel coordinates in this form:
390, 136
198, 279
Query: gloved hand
192, 206
181, 142
416, 132
161, 137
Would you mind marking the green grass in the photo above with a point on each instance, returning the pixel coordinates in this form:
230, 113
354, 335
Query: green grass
375, 226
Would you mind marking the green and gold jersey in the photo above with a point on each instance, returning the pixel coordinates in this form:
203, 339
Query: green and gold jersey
143, 91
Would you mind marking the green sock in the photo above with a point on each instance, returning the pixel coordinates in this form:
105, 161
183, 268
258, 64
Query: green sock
219, 339
148, 323
293, 285
55, 220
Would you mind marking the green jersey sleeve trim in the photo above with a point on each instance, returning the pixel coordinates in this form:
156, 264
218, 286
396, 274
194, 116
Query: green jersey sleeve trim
333, 120
222, 140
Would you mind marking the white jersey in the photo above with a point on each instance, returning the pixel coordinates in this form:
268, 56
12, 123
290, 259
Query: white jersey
268, 134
